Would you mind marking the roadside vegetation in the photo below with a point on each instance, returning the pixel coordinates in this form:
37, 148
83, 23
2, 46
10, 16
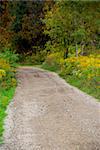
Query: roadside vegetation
82, 71
7, 83
61, 36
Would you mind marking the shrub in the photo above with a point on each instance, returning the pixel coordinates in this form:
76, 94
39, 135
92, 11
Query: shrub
2, 73
34, 59
53, 60
4, 64
89, 66
85, 71
10, 56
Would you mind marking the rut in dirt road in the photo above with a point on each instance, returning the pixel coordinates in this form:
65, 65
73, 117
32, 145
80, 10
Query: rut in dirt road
49, 114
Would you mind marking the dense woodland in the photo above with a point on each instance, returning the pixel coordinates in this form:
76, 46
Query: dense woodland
61, 36
21, 26
30, 27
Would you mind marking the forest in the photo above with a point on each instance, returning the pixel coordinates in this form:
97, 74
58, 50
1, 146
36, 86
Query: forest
61, 36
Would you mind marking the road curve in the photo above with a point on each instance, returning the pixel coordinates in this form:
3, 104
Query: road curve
49, 114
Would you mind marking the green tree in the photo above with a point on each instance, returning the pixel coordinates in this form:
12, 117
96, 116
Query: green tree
72, 23
5, 23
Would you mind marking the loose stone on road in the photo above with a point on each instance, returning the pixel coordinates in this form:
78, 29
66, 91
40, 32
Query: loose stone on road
49, 114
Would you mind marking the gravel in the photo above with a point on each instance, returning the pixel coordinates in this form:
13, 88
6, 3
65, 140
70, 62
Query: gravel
49, 114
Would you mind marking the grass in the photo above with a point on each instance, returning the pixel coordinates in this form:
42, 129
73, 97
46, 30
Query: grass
50, 68
84, 86
5, 98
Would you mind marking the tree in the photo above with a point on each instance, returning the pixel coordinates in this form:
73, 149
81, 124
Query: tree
27, 25
72, 23
5, 23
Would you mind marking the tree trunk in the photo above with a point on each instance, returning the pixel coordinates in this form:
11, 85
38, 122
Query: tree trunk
66, 53
76, 50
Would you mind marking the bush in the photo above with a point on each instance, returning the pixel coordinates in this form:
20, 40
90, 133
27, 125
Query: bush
2, 73
85, 71
8, 61
10, 56
89, 66
7, 74
34, 59
53, 61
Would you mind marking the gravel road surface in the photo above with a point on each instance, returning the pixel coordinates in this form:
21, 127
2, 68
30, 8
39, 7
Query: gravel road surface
49, 114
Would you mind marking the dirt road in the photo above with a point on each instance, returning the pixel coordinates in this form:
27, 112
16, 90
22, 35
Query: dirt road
49, 114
